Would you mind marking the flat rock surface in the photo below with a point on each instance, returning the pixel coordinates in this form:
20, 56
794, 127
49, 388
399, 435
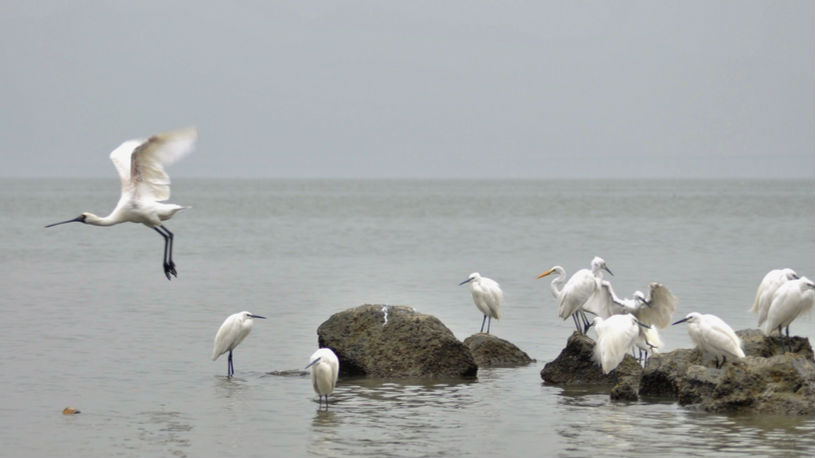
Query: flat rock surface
491, 351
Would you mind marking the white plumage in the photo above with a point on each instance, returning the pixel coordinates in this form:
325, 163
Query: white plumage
791, 299
325, 368
766, 290
713, 336
145, 184
487, 296
580, 288
616, 335
234, 329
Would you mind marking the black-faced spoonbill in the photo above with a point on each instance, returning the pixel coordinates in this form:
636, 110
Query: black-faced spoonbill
713, 336
234, 329
487, 296
145, 185
790, 300
325, 368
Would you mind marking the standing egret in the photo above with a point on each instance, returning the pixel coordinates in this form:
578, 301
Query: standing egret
578, 290
234, 329
487, 296
648, 341
616, 335
713, 336
766, 290
790, 300
325, 367
145, 185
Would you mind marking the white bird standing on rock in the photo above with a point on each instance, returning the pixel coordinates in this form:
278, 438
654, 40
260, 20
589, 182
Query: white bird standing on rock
713, 336
578, 290
790, 300
325, 368
145, 185
234, 329
766, 291
616, 335
487, 296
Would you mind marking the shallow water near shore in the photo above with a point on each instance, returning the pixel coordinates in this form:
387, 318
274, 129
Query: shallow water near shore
91, 322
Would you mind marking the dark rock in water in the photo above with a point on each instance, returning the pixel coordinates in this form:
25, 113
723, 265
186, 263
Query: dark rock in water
773, 384
574, 366
394, 341
491, 351
755, 343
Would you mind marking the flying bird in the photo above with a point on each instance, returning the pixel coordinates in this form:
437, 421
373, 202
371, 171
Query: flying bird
766, 290
713, 336
325, 368
790, 300
234, 329
487, 296
576, 292
145, 186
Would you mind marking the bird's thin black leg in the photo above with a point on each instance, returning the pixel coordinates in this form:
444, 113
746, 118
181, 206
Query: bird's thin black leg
489, 321
166, 246
229, 368
577, 324
482, 323
170, 262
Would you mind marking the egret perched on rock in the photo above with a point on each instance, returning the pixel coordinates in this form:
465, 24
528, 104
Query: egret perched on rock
234, 329
766, 290
145, 185
790, 300
616, 335
647, 341
325, 368
578, 290
487, 296
713, 336
655, 309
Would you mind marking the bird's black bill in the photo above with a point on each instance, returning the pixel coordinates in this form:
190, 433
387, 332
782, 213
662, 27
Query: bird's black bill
78, 219
608, 270
680, 321
313, 362
258, 316
644, 325
465, 281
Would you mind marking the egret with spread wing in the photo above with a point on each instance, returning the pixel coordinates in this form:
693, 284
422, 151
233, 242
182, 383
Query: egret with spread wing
145, 185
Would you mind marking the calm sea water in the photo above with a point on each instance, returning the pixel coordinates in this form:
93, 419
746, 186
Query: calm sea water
91, 322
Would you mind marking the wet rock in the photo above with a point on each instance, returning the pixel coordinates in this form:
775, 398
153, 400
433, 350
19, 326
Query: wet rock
574, 366
765, 381
491, 351
394, 341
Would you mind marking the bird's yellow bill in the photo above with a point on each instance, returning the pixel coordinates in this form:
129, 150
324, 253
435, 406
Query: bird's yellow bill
546, 273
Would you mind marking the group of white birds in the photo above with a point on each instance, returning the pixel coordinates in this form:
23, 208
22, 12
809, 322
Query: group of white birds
621, 324
631, 324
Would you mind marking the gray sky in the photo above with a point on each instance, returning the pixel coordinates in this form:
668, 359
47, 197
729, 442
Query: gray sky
459, 89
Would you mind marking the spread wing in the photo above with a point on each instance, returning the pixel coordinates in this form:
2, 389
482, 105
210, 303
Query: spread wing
662, 306
141, 163
601, 302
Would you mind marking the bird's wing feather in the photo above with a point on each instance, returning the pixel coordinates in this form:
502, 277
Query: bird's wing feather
121, 160
663, 304
576, 292
147, 175
600, 302
224, 336
615, 337
722, 338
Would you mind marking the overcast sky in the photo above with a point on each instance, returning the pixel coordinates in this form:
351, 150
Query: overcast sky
382, 89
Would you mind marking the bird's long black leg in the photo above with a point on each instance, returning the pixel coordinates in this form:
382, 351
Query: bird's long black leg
577, 324
586, 322
789, 341
170, 252
229, 369
482, 323
489, 321
166, 247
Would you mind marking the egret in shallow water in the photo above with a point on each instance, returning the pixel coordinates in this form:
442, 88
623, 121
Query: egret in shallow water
576, 292
487, 296
790, 300
766, 290
713, 336
325, 368
616, 335
234, 329
145, 185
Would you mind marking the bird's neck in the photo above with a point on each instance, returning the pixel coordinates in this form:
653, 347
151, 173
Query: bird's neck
557, 284
95, 220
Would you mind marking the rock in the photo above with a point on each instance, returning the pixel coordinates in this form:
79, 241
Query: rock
755, 343
766, 381
491, 351
394, 341
574, 366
